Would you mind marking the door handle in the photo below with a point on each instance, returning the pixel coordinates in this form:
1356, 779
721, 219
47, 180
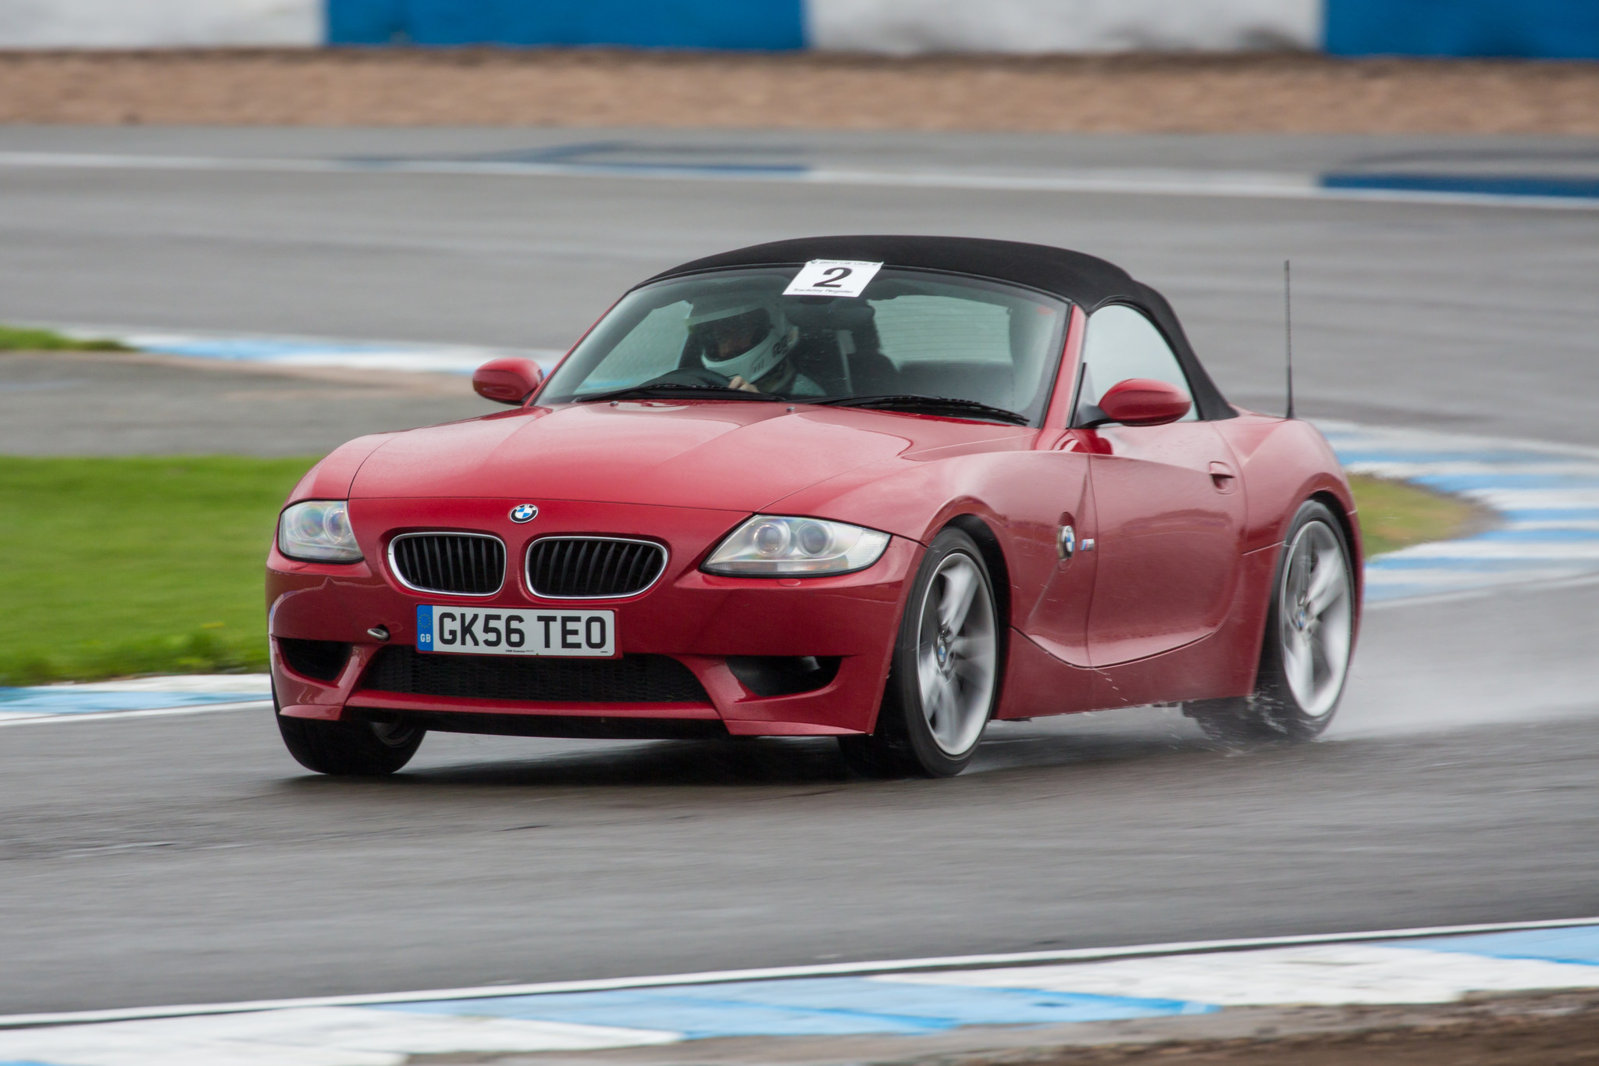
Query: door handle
1222, 476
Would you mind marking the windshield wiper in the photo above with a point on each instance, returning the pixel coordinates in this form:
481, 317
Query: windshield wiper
672, 388
930, 405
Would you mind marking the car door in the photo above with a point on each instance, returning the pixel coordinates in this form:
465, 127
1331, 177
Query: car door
1168, 504
1058, 515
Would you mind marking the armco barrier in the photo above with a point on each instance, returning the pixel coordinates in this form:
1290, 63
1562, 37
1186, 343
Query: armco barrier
1565, 29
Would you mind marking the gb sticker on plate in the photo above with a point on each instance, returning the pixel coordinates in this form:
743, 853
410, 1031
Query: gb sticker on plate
832, 277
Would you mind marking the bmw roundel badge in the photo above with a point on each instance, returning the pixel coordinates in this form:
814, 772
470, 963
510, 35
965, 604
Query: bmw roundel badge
524, 512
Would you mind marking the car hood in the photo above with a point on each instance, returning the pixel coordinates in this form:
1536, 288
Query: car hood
736, 456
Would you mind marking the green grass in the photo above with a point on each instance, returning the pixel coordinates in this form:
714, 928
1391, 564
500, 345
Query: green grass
19, 339
132, 566
1394, 514
154, 565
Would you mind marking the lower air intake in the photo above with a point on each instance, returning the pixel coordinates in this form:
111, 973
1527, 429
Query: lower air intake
321, 660
629, 679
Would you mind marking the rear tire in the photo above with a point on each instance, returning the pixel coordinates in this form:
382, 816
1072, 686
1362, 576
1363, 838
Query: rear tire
349, 749
1310, 628
945, 676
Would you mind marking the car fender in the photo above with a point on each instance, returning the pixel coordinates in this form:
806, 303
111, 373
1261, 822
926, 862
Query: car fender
331, 478
1000, 489
1284, 463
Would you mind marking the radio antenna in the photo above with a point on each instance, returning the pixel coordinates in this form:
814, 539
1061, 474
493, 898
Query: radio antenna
1288, 327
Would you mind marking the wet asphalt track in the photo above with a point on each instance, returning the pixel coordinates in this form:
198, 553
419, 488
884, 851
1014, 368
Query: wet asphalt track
187, 859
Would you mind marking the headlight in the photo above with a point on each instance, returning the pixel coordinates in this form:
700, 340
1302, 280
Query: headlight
769, 545
318, 531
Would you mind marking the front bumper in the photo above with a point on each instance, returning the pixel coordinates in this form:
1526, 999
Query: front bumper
744, 656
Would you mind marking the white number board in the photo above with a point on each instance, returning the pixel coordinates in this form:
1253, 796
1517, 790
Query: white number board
832, 277
478, 631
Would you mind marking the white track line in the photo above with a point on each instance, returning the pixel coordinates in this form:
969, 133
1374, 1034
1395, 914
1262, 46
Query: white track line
889, 966
46, 718
1141, 182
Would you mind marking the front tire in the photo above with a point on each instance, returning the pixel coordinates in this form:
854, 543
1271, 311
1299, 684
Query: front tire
945, 676
349, 749
1310, 630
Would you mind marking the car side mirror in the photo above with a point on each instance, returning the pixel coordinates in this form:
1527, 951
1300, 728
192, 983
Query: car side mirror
1143, 402
507, 380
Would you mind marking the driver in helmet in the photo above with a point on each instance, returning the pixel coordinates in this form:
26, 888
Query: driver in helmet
745, 338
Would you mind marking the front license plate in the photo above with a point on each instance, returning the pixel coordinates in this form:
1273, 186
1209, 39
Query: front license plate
481, 631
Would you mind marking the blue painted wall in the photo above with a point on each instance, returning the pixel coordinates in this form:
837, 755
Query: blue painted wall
1548, 29
1543, 29
751, 25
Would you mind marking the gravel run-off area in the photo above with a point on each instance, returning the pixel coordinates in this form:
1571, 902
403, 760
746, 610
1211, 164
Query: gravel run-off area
1278, 92
1547, 1030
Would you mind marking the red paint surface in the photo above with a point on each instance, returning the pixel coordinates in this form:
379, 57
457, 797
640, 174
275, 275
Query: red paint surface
1186, 521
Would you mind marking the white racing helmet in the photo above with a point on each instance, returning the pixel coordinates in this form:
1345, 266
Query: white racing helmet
739, 334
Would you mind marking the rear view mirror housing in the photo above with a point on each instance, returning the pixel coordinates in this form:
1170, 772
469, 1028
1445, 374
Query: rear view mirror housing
507, 380
1143, 402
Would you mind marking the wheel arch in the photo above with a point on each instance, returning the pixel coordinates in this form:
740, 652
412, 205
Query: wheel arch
998, 573
1253, 637
1248, 716
1351, 531
890, 747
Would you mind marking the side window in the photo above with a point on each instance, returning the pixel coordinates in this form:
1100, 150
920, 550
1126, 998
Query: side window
1121, 344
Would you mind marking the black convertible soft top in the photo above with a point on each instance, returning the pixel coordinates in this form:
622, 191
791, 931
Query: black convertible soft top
1084, 279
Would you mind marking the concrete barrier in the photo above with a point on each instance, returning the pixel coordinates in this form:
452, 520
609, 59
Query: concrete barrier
1564, 29
1041, 26
160, 23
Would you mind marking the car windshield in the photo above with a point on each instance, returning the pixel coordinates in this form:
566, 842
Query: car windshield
910, 341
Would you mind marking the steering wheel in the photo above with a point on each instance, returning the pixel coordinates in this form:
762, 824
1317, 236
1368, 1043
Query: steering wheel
690, 375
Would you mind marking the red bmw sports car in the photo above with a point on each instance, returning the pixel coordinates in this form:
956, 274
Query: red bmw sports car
883, 489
